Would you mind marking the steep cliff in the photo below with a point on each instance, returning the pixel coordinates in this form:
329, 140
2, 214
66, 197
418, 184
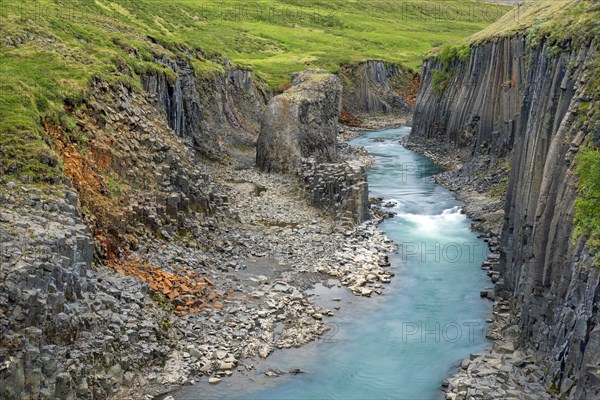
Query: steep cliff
375, 86
210, 112
521, 101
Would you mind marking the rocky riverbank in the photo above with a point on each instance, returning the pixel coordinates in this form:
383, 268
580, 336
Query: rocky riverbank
279, 246
256, 263
514, 110
503, 371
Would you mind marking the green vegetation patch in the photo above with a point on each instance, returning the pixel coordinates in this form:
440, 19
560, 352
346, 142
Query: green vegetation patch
556, 21
587, 205
448, 57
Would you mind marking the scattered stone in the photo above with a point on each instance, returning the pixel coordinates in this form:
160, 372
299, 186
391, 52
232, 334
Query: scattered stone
273, 373
506, 348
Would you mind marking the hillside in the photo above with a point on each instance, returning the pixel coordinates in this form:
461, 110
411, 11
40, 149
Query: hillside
52, 52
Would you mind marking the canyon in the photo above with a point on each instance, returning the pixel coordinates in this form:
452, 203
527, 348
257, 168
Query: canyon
188, 214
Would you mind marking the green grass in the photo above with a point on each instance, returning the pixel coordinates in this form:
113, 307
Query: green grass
558, 21
448, 56
51, 51
587, 205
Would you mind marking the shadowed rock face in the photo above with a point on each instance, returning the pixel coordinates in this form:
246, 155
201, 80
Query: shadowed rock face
301, 123
519, 104
371, 88
211, 113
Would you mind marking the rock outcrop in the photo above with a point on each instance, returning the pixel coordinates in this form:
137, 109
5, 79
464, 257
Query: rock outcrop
301, 123
341, 187
374, 87
68, 330
515, 103
147, 182
299, 136
212, 112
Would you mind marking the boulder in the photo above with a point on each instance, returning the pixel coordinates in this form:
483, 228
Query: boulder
301, 123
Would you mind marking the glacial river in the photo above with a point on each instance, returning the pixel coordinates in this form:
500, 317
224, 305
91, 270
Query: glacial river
403, 344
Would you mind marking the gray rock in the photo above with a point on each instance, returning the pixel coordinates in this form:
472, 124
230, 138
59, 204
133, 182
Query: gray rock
301, 123
372, 88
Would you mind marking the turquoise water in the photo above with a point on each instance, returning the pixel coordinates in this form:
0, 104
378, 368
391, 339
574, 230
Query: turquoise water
403, 344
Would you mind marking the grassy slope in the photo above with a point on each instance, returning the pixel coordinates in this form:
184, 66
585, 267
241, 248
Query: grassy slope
50, 53
557, 20
276, 37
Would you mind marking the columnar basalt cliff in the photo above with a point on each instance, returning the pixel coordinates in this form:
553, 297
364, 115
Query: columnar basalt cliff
514, 104
375, 86
70, 326
210, 112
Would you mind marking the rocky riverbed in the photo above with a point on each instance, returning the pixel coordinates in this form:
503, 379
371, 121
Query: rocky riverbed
256, 261
262, 264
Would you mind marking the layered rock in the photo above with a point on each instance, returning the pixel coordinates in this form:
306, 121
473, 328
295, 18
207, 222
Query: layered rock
516, 104
301, 123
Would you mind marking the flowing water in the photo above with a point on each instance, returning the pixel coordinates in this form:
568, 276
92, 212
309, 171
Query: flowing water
403, 344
